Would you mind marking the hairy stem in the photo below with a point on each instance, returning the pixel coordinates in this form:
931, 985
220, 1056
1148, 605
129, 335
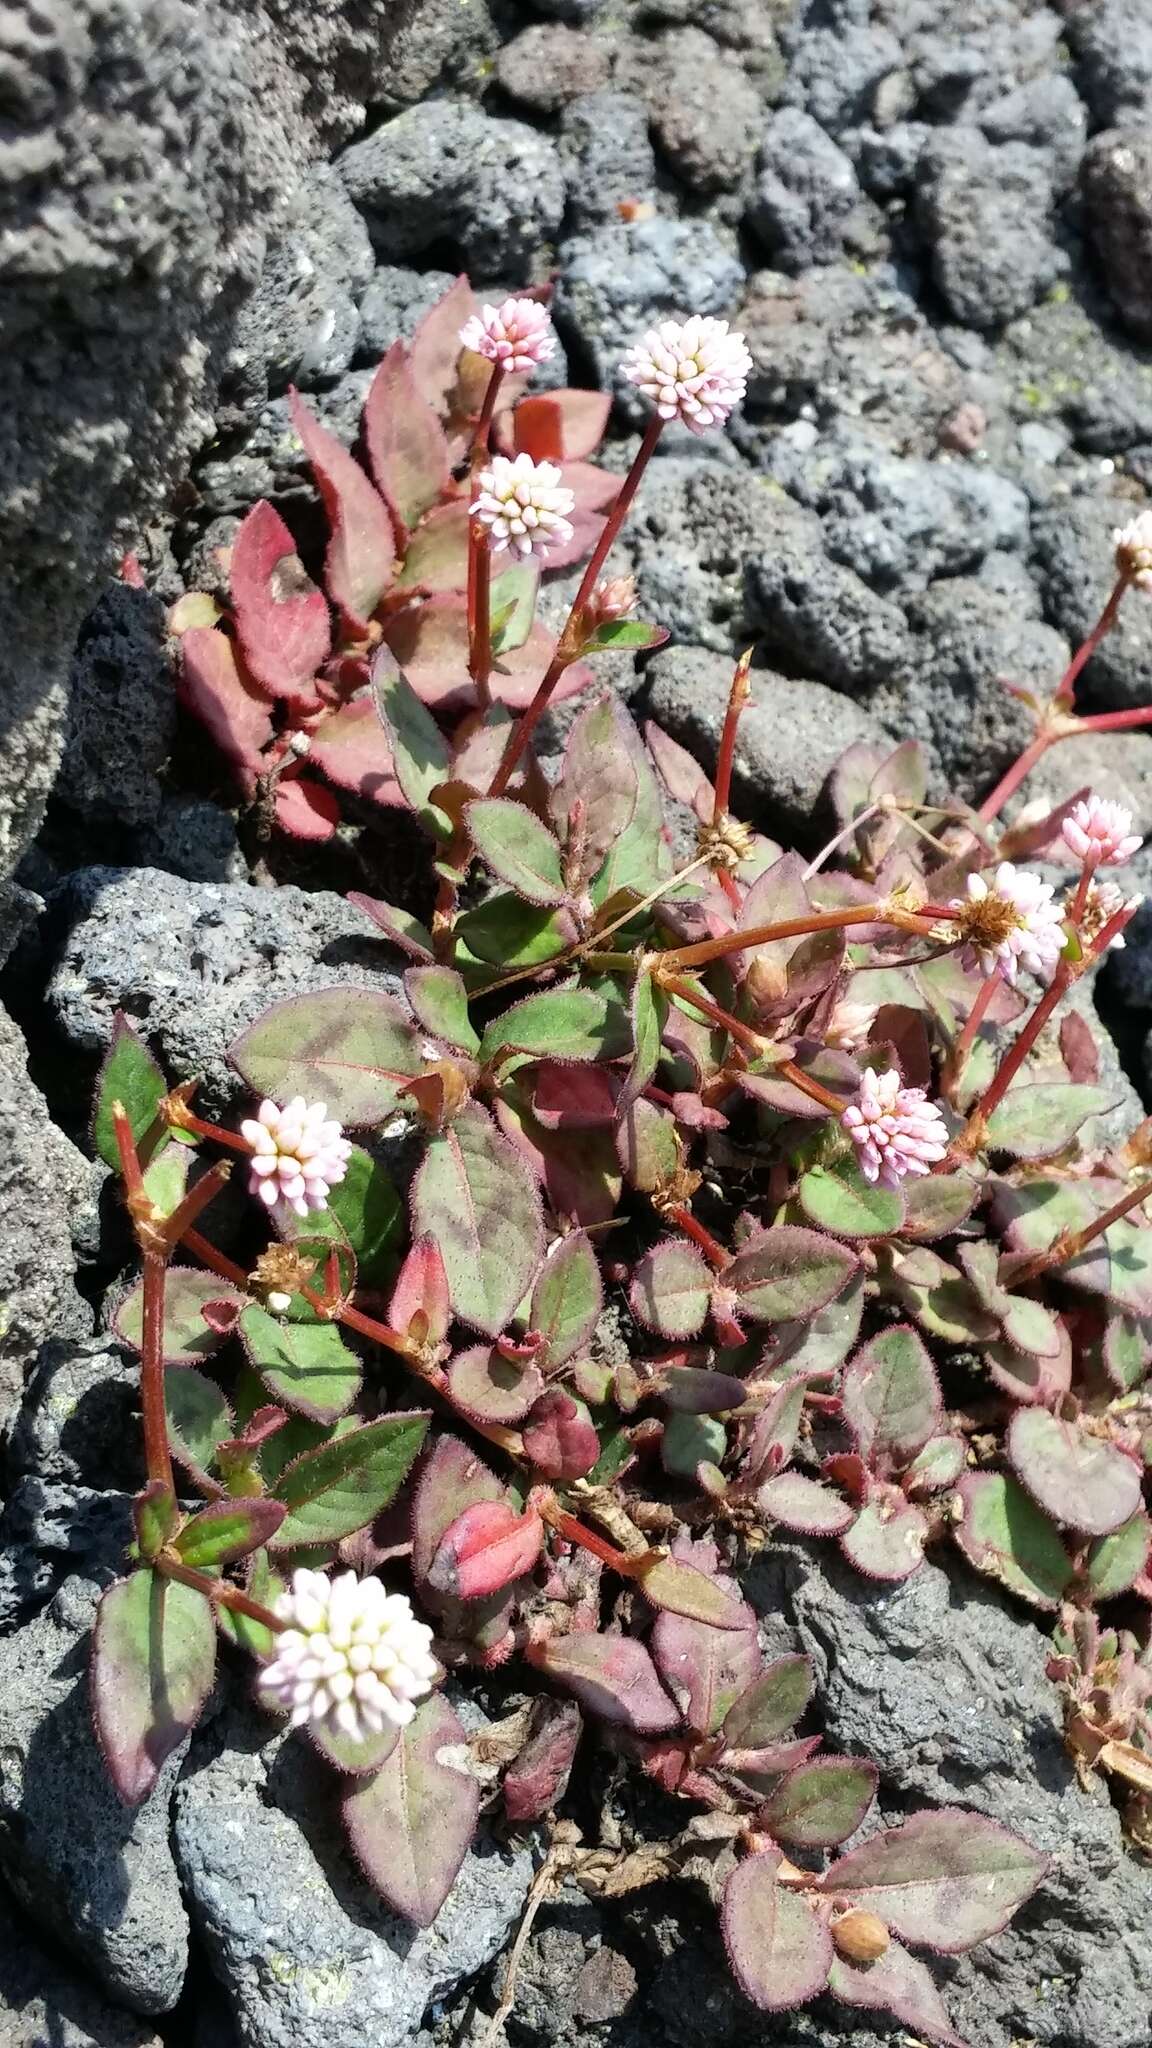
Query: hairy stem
711, 1247
157, 1456
1066, 688
1010, 781
737, 698
479, 611
221, 1593
957, 1059
743, 1034
794, 928
1070, 1246
972, 1135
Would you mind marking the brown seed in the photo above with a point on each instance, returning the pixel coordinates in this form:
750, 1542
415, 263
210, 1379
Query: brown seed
860, 1937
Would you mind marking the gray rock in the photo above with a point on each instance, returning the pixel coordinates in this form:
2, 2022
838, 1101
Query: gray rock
619, 280
98, 1875
121, 712
1112, 42
195, 839
1047, 113
1075, 567
888, 159
192, 963
944, 1685
267, 459
44, 1181
984, 210
1059, 364
806, 192
972, 640
439, 45
44, 2004
395, 301
688, 82
819, 615
791, 735
835, 72
568, 10
749, 27
689, 537
301, 325
446, 171
48, 1531
607, 154
79, 1425
547, 66
308, 1954
1116, 181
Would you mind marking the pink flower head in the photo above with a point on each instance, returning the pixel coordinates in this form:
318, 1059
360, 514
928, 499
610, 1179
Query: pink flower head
1102, 902
517, 335
524, 505
1012, 924
693, 370
353, 1658
1133, 544
896, 1130
1101, 832
298, 1154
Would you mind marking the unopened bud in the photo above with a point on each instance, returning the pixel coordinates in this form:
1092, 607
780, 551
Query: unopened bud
860, 1937
300, 744
278, 1303
613, 599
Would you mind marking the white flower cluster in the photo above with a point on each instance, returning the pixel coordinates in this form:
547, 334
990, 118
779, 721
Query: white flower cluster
694, 370
298, 1153
896, 1130
517, 335
523, 504
1101, 832
1010, 924
353, 1656
1133, 544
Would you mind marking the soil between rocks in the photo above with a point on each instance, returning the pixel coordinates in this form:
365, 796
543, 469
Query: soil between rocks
937, 233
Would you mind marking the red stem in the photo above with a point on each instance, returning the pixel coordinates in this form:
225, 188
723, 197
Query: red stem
1014, 1059
712, 1249
1067, 686
221, 1593
480, 611
958, 1057
156, 1453
743, 1034
737, 698
522, 733
1011, 780
1114, 721
707, 950
484, 419
195, 1201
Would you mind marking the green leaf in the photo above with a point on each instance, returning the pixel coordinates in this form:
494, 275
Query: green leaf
364, 1212
681, 1589
358, 1756
157, 1517
671, 1289
419, 750
937, 1204
264, 1584
690, 1441
341, 1486
649, 1014
512, 606
787, 1272
1004, 1534
771, 1706
198, 1418
307, 1367
821, 1342
410, 1824
351, 1048
562, 1023
166, 1179
186, 1337
615, 1453
1124, 1350
129, 1075
625, 633
1039, 1120
518, 848
567, 1298
153, 1661
639, 858
504, 931
1130, 1265
886, 1540
1115, 1562
476, 1196
891, 1396
839, 1199
821, 1803
226, 1530
439, 1002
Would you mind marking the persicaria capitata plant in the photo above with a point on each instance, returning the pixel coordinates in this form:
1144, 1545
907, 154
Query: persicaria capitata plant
919, 1316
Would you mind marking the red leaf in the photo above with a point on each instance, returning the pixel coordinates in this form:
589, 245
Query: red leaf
305, 809
484, 1549
281, 618
683, 777
430, 642
213, 686
560, 426
352, 749
407, 446
559, 1437
1078, 1049
435, 348
411, 1823
362, 550
574, 1098
538, 1777
422, 1290
613, 1676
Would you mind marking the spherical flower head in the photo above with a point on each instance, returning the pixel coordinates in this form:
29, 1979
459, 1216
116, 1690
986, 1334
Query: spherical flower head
353, 1658
298, 1153
1101, 832
524, 505
1102, 902
896, 1130
1009, 924
517, 335
693, 370
1133, 544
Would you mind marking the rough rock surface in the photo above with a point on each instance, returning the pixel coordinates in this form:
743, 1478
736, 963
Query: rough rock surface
308, 1953
45, 2004
96, 1874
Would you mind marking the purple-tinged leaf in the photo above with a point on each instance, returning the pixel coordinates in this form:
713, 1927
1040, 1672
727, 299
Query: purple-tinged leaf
681, 1588
411, 1823
804, 1505
341, 1486
451, 1479
937, 1204
559, 1437
648, 1012
886, 1541
435, 561
307, 1366
1033, 1214
406, 444
1115, 1562
834, 1070
226, 1530
1003, 1534
361, 557
435, 347
671, 1289
706, 1669
439, 1002
941, 1299
569, 1023
352, 750
305, 809
491, 1388
537, 1778
891, 1397
474, 1194
695, 1390
185, 1338
816, 1346
561, 426
648, 1144
680, 772
198, 1419
774, 1432
518, 848
351, 1048
153, 1662
600, 776
212, 685
821, 1803
943, 1880
839, 1199
771, 1706
567, 1298
1082, 1482
281, 618
1130, 1266
939, 1465
402, 928
420, 756
1033, 1381
899, 1984
788, 1272
130, 1076
421, 1290
1037, 1121
1125, 1350
612, 1676
357, 1756
780, 1952
484, 1549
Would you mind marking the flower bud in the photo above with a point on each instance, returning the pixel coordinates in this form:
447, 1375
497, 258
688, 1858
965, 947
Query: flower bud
860, 1937
611, 600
